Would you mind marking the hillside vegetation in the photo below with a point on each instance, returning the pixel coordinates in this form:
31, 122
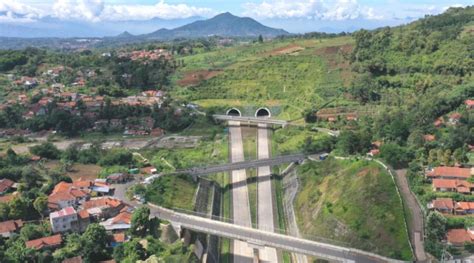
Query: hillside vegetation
354, 202
293, 74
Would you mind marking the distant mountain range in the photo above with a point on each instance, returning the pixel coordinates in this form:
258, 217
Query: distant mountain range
224, 24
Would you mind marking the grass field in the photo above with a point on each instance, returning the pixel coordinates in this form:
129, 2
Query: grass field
291, 74
291, 139
354, 202
172, 192
208, 152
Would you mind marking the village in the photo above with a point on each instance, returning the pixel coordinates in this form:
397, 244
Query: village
72, 207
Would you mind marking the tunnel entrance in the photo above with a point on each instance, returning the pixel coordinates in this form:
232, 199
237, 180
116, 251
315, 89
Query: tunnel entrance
233, 112
263, 112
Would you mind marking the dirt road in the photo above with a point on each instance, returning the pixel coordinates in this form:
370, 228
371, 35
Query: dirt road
415, 224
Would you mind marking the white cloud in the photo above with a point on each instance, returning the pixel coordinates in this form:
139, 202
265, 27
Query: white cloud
14, 11
160, 10
312, 9
96, 11
89, 10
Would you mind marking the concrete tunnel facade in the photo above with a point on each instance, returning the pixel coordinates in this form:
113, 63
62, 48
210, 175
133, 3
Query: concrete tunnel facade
233, 112
263, 112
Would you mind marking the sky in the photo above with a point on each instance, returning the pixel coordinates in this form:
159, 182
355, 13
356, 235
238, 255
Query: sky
293, 15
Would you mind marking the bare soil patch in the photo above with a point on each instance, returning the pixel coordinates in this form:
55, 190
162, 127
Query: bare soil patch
193, 78
286, 50
337, 58
76, 171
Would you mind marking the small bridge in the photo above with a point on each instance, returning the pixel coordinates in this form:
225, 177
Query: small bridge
200, 171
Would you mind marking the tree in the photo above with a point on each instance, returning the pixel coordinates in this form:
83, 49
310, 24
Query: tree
41, 204
18, 252
72, 248
94, 243
46, 150
71, 153
396, 155
435, 226
4, 211
31, 231
140, 221
260, 39
131, 251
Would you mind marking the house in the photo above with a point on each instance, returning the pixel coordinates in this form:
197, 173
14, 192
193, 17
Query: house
117, 239
373, 152
469, 104
117, 178
149, 170
66, 194
446, 172
120, 222
451, 185
454, 118
438, 122
6, 198
351, 118
103, 207
45, 242
5, 185
429, 137
156, 132
63, 220
442, 205
83, 218
7, 228
463, 208
458, 237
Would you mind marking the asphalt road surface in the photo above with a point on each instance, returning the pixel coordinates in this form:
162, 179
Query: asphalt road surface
240, 196
264, 196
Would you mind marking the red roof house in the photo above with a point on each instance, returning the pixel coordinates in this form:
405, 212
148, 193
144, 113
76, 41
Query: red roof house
447, 172
442, 205
5, 185
9, 227
45, 242
451, 185
458, 237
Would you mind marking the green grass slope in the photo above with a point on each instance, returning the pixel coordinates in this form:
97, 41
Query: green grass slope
354, 202
176, 192
290, 74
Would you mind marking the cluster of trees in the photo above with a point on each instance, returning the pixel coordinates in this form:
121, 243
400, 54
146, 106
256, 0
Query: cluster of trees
169, 116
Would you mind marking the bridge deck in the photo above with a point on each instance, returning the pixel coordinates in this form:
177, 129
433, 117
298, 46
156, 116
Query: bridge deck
244, 120
265, 238
241, 165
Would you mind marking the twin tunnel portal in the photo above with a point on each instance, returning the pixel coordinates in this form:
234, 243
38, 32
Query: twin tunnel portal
260, 112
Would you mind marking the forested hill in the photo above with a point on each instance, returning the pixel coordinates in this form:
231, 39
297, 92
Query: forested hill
429, 64
224, 24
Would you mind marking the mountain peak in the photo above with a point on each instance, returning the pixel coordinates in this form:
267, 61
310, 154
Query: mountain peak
125, 34
225, 24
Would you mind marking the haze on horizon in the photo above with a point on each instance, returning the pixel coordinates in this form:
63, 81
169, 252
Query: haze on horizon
94, 18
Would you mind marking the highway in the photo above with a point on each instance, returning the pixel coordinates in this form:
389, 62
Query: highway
264, 238
240, 196
240, 164
265, 207
250, 120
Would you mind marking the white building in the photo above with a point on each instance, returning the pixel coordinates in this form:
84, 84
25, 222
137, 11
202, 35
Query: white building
63, 220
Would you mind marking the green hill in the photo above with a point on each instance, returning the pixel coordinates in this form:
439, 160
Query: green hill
224, 24
354, 202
